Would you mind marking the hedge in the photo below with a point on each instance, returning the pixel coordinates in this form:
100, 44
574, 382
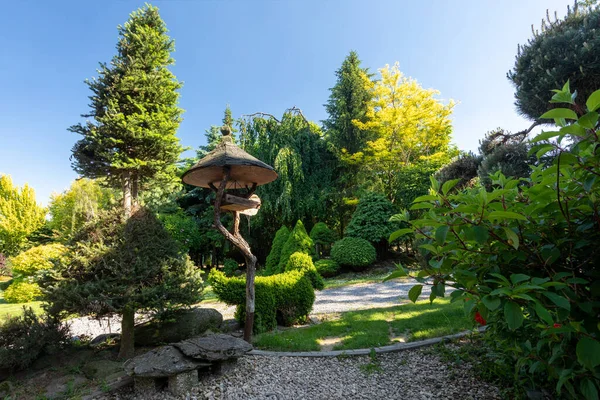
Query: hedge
353, 252
303, 262
286, 298
327, 267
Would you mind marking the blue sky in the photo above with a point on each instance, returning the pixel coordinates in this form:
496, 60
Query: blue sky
256, 56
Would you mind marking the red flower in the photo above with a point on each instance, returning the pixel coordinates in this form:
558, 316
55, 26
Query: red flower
557, 325
480, 319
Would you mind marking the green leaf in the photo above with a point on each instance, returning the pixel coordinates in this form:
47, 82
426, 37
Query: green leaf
593, 102
491, 302
513, 315
400, 272
427, 197
403, 217
588, 352
574, 129
448, 185
543, 150
513, 238
495, 215
556, 113
441, 233
415, 292
420, 206
558, 300
399, 233
562, 97
481, 234
545, 136
588, 389
588, 120
543, 314
516, 278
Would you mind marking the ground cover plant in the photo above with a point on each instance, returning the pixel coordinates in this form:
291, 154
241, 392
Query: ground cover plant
524, 257
373, 328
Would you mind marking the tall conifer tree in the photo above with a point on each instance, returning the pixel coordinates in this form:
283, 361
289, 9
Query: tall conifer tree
130, 139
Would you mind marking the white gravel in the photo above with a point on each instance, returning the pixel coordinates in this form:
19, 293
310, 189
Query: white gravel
360, 296
404, 375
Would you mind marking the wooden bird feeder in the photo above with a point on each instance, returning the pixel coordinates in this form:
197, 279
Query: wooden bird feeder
228, 167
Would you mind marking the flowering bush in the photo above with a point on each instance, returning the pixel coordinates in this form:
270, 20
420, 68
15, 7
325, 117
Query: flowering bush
524, 257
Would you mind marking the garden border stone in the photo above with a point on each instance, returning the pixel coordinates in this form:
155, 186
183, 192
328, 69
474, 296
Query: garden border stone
362, 352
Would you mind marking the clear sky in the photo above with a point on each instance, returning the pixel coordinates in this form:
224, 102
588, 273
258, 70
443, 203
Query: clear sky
256, 56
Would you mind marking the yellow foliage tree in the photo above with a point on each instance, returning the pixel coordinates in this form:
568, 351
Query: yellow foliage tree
410, 125
20, 215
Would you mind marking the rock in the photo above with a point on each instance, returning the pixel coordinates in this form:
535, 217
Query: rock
103, 338
181, 384
161, 362
101, 369
214, 347
230, 325
186, 324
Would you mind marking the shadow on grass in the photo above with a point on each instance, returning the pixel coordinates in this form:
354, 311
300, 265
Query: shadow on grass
372, 328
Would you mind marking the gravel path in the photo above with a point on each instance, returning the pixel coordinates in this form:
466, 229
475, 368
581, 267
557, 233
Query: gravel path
405, 375
361, 296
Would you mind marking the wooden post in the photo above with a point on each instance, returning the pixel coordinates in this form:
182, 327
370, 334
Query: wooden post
237, 240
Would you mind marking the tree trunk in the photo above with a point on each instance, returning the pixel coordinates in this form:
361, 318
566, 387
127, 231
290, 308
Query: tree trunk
135, 189
127, 193
127, 340
238, 241
250, 299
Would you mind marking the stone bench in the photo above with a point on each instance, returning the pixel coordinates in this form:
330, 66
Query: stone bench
176, 366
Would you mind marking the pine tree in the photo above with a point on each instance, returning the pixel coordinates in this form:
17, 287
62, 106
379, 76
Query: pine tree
131, 139
20, 215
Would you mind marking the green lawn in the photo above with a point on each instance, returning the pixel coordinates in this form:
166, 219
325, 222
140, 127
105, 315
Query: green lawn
8, 310
373, 328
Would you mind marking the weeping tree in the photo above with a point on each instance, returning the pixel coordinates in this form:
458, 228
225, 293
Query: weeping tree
130, 140
296, 149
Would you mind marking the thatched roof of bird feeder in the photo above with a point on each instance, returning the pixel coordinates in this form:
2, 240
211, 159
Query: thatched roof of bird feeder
246, 170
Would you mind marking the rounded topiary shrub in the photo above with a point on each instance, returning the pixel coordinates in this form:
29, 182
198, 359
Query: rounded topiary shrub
22, 292
303, 262
354, 252
230, 267
327, 267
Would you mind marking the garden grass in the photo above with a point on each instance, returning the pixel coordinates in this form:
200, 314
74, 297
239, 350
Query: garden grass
373, 328
8, 310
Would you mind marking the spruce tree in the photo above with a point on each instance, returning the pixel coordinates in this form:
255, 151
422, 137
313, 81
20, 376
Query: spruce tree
347, 102
130, 139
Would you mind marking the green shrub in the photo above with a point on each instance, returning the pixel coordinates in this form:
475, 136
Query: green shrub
353, 252
230, 267
322, 234
303, 262
272, 262
327, 267
25, 338
287, 297
36, 259
297, 241
22, 292
524, 258
371, 221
